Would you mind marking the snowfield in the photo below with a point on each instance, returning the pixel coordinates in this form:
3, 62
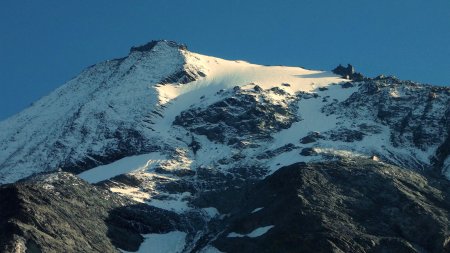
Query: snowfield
122, 166
255, 233
172, 242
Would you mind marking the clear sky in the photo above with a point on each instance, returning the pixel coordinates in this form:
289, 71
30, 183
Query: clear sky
43, 44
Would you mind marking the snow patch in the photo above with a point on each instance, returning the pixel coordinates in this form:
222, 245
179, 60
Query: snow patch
257, 209
255, 233
172, 242
48, 187
131, 192
210, 249
211, 212
172, 202
121, 166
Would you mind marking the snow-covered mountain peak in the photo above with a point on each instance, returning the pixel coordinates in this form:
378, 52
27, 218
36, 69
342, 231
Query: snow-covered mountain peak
194, 111
209, 152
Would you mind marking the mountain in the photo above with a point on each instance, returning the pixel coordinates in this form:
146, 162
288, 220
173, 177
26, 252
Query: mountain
212, 155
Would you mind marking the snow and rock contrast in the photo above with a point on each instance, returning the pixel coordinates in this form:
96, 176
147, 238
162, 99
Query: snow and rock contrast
186, 137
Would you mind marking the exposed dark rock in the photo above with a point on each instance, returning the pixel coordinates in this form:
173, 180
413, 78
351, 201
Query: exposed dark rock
127, 223
307, 95
311, 137
149, 46
406, 108
195, 145
372, 129
347, 85
178, 172
348, 73
347, 206
248, 173
178, 186
443, 151
272, 153
278, 91
346, 135
241, 143
357, 77
222, 190
239, 115
127, 142
125, 179
344, 71
391, 79
183, 76
308, 152
257, 88
60, 212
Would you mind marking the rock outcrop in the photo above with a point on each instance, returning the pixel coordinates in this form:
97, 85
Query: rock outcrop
346, 206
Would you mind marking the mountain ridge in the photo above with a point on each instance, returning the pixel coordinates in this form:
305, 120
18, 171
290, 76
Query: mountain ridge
180, 67
183, 137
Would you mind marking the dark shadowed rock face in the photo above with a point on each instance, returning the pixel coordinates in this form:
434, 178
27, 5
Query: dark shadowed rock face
347, 206
346, 135
150, 45
183, 76
348, 72
127, 142
311, 137
61, 213
54, 213
342, 206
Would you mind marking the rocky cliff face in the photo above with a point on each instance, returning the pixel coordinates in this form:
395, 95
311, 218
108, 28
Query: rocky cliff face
54, 212
417, 116
342, 206
346, 206
212, 155
60, 212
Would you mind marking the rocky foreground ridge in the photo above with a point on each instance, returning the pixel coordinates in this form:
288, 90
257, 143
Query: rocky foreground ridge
341, 206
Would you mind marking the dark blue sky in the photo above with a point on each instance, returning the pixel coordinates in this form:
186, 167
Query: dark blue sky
45, 43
